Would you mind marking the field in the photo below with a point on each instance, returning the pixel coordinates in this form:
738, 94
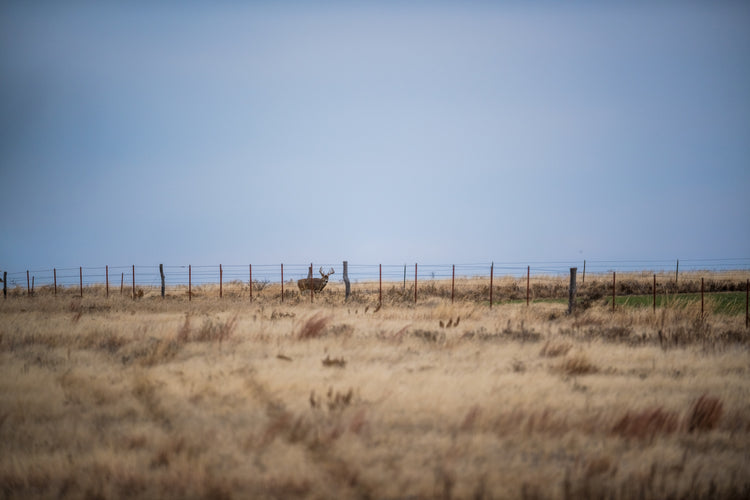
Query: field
222, 398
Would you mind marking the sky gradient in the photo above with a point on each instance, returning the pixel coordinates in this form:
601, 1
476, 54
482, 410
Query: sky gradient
373, 132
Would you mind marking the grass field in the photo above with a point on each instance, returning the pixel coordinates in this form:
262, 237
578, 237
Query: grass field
165, 398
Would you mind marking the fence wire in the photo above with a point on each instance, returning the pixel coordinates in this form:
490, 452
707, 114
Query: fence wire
367, 277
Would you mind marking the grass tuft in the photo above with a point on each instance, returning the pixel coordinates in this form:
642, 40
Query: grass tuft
313, 327
646, 423
705, 413
578, 364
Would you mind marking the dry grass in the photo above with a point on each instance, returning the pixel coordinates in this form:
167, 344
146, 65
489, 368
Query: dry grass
115, 398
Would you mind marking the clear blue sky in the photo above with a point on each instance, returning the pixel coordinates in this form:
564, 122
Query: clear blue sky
208, 132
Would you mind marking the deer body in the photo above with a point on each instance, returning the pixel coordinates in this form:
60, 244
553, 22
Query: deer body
317, 284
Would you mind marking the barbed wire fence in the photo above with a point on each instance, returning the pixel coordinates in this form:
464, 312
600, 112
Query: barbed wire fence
485, 282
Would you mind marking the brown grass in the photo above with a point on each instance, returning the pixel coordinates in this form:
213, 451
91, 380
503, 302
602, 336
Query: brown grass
313, 327
578, 364
165, 398
647, 423
705, 414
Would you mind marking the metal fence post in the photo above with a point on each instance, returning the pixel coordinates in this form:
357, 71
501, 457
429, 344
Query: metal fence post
614, 282
528, 281
415, 282
492, 272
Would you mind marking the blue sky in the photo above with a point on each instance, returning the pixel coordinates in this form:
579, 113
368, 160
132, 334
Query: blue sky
373, 131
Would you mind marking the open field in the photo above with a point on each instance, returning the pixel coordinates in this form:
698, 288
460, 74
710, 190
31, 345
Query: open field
165, 398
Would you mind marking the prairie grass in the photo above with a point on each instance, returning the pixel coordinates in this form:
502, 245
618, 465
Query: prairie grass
166, 398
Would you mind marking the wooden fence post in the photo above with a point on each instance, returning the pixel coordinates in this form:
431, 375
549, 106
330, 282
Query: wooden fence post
572, 290
614, 282
404, 276
122, 283
5, 285
347, 285
80, 271
106, 278
492, 272
190, 282
453, 282
415, 282
161, 272
310, 283
251, 282
677, 272
747, 304
528, 281
54, 273
221, 282
133, 281
282, 282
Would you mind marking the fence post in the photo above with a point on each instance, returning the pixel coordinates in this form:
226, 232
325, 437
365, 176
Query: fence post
80, 271
5, 284
583, 278
54, 273
677, 273
572, 290
190, 282
747, 304
528, 280
380, 285
251, 282
347, 285
310, 283
221, 282
492, 272
161, 272
614, 282
122, 283
133, 281
28, 284
654, 289
453, 282
106, 273
415, 282
282, 282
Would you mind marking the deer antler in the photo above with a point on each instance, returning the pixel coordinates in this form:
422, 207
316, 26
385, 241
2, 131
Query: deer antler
325, 275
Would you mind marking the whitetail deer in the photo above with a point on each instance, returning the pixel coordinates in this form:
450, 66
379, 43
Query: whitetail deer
317, 284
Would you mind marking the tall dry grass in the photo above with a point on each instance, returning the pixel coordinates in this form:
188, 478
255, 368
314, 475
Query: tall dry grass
165, 398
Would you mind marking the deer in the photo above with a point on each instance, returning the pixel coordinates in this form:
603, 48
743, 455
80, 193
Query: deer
318, 284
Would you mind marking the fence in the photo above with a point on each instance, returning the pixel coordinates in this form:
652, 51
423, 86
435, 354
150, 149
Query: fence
488, 283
